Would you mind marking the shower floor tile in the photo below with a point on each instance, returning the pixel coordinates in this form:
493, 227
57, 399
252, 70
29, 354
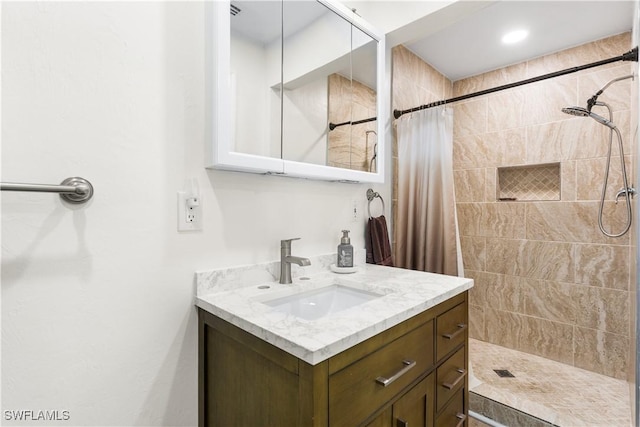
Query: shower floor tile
552, 391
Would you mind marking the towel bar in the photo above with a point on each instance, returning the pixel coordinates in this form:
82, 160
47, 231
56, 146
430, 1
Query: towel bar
73, 190
372, 195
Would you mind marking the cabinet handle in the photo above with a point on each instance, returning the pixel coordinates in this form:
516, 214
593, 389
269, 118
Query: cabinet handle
462, 373
402, 423
408, 364
461, 328
461, 417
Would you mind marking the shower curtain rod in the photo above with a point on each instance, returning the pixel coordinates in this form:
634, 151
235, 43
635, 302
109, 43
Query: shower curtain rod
332, 126
632, 55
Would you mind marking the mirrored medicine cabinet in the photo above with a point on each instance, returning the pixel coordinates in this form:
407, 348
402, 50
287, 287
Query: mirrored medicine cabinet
297, 90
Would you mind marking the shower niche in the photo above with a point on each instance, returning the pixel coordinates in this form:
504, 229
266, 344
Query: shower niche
528, 183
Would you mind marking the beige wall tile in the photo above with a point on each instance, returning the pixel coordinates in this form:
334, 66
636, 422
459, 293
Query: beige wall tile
469, 218
490, 149
506, 110
540, 298
405, 93
544, 338
601, 352
491, 191
592, 174
488, 289
603, 309
603, 265
531, 259
548, 339
470, 185
476, 322
503, 219
568, 181
573, 222
503, 328
543, 102
567, 139
470, 118
473, 252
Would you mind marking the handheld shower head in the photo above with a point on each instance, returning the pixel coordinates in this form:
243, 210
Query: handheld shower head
583, 112
576, 111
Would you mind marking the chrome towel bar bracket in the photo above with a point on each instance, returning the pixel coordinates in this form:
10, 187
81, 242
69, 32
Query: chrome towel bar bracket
74, 190
372, 195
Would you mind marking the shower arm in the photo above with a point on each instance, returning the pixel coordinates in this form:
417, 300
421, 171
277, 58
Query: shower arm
593, 100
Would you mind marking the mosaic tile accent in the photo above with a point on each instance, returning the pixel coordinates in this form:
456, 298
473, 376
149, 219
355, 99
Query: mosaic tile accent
540, 182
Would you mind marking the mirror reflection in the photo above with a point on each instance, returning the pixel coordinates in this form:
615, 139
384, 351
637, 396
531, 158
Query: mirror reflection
296, 67
256, 51
354, 145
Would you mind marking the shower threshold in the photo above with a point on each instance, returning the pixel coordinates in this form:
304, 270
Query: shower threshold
542, 391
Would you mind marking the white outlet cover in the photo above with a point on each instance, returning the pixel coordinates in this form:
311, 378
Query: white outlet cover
189, 217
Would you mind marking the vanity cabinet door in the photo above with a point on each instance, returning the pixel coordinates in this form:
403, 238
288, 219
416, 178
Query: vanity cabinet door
416, 407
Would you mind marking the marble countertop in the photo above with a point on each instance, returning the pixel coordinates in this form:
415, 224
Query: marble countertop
236, 296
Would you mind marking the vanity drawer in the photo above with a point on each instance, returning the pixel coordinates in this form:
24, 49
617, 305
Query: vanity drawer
450, 377
453, 415
359, 389
451, 330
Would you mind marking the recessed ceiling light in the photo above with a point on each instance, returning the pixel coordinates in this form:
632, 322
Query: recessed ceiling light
514, 36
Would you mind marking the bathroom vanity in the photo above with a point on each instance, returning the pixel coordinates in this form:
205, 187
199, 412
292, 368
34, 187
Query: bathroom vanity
395, 355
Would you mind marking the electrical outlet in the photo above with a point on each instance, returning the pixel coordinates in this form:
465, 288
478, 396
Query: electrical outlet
355, 213
189, 212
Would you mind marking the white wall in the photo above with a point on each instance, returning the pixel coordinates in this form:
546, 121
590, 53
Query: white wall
97, 300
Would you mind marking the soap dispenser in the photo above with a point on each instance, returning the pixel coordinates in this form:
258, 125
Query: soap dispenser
345, 251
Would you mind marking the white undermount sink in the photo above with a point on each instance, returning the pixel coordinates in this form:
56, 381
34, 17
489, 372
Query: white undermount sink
316, 303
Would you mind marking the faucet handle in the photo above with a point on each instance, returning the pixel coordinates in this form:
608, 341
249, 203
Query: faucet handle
286, 243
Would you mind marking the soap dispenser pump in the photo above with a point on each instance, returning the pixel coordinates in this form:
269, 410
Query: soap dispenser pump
345, 251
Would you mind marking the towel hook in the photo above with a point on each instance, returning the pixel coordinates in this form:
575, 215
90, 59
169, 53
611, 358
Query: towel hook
372, 195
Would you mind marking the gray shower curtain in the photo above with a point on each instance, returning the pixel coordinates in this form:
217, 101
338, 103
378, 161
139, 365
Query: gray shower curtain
426, 223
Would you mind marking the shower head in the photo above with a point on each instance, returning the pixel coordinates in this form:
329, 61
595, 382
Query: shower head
576, 111
583, 112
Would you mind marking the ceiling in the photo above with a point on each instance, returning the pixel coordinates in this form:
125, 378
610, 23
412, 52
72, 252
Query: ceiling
473, 44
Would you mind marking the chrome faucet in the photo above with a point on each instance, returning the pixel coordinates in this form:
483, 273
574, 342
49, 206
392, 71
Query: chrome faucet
286, 259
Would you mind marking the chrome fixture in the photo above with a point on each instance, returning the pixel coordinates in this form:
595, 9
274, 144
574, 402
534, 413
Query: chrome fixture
286, 259
627, 190
72, 190
583, 112
373, 195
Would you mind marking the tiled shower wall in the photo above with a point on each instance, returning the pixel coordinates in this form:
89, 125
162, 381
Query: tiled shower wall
351, 147
547, 281
414, 83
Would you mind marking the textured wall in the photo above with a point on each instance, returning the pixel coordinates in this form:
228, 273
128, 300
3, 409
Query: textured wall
546, 280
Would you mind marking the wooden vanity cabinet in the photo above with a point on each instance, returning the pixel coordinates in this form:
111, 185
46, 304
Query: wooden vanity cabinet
245, 381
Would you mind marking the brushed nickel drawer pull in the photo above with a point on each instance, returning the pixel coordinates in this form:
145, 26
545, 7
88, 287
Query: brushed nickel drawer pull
461, 328
462, 372
461, 417
408, 364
